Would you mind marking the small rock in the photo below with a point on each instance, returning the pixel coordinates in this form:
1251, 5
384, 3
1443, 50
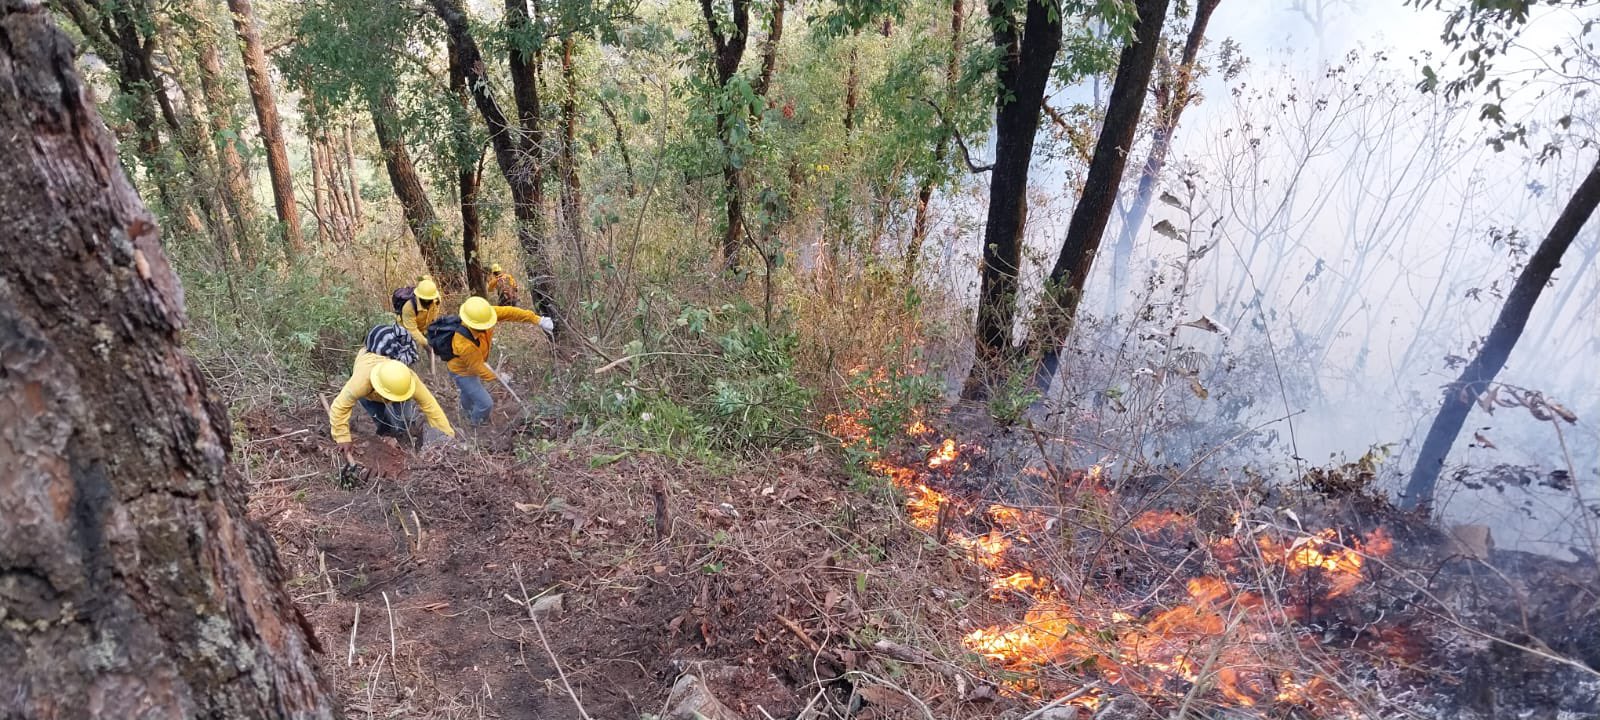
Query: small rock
690, 699
548, 605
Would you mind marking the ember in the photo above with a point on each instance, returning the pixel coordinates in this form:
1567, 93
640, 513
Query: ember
1218, 638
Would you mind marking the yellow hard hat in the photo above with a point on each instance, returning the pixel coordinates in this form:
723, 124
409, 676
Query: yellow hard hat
478, 314
426, 289
393, 381
494, 268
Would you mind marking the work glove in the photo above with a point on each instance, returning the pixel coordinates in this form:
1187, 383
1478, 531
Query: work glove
548, 324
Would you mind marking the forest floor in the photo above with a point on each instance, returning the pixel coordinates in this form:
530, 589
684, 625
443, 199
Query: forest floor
518, 573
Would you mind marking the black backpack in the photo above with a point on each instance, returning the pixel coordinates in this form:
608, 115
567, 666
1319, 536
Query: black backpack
400, 297
441, 336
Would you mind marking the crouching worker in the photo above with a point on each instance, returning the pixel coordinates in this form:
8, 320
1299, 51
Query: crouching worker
464, 341
387, 389
503, 285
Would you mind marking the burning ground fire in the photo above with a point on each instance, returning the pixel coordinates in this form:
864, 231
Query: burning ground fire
1239, 636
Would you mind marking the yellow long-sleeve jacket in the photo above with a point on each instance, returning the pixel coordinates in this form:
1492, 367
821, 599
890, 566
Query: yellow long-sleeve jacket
359, 387
471, 358
416, 319
502, 278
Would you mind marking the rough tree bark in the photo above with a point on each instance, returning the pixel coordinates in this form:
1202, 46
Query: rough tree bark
1173, 93
1026, 56
413, 196
1064, 287
1476, 377
952, 70
238, 194
133, 582
514, 148
261, 95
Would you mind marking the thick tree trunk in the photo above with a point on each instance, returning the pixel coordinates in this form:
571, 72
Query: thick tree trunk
1173, 93
1025, 62
1064, 287
413, 197
952, 70
238, 195
133, 582
1460, 395
255, 71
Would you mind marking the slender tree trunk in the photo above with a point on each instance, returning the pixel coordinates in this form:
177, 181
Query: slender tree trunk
1476, 377
238, 195
567, 162
468, 156
622, 146
850, 83
952, 72
319, 192
1025, 61
1064, 288
135, 583
511, 145
413, 197
356, 220
256, 73
1173, 93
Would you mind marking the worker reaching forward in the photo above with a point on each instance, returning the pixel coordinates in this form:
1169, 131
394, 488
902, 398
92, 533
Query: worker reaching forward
386, 389
417, 307
464, 341
503, 285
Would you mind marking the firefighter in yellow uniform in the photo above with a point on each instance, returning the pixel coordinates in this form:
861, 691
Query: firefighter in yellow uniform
421, 310
470, 346
503, 285
386, 389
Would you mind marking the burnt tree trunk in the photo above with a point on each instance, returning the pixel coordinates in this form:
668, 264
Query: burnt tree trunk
1476, 377
952, 73
413, 197
133, 582
261, 95
1026, 55
1173, 93
1064, 287
727, 52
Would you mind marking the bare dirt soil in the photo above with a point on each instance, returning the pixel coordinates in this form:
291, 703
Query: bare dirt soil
442, 553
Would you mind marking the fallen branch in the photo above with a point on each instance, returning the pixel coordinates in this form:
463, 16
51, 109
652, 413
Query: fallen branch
527, 603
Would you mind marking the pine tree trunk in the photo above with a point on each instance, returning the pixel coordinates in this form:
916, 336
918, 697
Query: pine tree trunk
413, 197
256, 72
134, 583
238, 194
1477, 376
1064, 287
1025, 62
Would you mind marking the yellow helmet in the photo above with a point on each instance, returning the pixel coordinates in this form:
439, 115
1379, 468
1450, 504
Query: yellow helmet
495, 267
426, 289
478, 314
392, 380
